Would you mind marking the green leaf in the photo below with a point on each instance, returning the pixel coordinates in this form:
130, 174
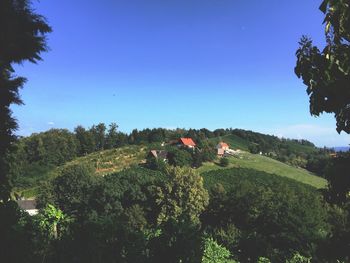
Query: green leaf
323, 6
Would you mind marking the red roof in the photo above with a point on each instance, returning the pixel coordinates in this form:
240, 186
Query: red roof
187, 141
223, 144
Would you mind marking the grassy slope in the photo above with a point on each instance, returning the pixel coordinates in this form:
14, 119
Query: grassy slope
105, 162
265, 164
114, 160
234, 141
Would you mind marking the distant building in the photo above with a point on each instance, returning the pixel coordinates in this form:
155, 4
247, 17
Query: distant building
222, 147
333, 155
158, 154
29, 206
186, 142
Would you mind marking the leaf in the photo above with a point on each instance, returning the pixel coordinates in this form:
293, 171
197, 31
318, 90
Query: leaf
323, 6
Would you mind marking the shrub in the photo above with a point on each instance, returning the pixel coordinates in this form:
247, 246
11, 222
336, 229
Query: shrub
224, 162
213, 252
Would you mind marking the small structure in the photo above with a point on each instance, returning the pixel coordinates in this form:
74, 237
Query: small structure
28, 205
222, 147
187, 143
333, 155
158, 154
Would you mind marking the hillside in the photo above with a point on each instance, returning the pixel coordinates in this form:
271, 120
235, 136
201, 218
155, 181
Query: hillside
241, 139
234, 141
114, 160
60, 148
268, 165
105, 162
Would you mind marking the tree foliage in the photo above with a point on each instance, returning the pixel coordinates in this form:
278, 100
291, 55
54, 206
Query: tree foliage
326, 73
253, 214
22, 39
213, 252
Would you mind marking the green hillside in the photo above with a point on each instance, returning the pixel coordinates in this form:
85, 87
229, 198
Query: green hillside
268, 165
105, 162
234, 141
114, 160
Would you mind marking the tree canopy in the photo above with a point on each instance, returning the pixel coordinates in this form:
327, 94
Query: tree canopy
23, 38
326, 73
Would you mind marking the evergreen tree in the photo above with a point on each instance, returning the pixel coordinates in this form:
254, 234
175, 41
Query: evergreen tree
22, 39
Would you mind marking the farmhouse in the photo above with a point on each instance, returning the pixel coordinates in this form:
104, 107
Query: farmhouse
186, 142
222, 147
28, 205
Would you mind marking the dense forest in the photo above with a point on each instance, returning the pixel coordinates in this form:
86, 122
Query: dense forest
173, 214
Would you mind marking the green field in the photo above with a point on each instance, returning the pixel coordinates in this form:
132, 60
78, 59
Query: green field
268, 165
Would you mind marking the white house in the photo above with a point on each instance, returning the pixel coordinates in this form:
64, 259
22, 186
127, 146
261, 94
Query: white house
28, 205
221, 148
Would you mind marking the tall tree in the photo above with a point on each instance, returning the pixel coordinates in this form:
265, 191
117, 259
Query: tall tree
99, 133
112, 136
326, 73
22, 38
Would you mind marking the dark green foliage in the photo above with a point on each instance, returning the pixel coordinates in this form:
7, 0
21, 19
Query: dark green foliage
156, 164
33, 157
99, 134
137, 215
337, 174
86, 141
337, 244
326, 73
71, 190
22, 39
205, 152
224, 162
179, 157
273, 215
16, 234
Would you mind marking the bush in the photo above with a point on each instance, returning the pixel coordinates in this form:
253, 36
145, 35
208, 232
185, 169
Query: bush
213, 252
179, 157
224, 162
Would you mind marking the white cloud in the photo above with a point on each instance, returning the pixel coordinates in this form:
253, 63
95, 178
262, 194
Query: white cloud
51, 123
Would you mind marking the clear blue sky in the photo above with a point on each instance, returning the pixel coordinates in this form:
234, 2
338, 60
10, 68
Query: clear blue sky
175, 63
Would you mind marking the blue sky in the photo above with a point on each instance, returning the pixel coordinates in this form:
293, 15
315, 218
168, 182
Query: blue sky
176, 63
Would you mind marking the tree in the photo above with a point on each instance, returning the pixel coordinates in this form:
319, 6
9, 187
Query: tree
22, 39
71, 190
183, 198
85, 139
112, 136
224, 162
179, 157
327, 74
99, 133
337, 174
